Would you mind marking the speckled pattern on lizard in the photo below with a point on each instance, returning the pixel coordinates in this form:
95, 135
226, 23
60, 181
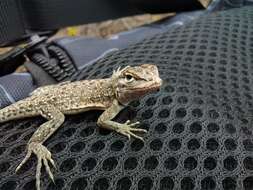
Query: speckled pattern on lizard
54, 101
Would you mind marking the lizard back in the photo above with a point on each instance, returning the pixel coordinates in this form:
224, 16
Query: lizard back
76, 96
68, 97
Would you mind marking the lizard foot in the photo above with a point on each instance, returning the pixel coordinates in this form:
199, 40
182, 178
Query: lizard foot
42, 154
127, 130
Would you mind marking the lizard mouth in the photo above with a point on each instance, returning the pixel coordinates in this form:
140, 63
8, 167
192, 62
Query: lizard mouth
152, 87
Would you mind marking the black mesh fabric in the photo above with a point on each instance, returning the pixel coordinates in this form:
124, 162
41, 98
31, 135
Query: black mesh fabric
199, 125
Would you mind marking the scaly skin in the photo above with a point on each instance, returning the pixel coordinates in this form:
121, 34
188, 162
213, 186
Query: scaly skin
54, 101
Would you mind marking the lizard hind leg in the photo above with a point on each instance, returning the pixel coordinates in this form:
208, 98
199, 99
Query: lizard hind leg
43, 155
35, 144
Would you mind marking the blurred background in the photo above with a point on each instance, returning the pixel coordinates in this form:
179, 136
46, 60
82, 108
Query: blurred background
108, 28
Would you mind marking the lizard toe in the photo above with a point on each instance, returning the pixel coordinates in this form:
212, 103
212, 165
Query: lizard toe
48, 169
127, 122
126, 134
28, 155
134, 124
126, 130
139, 130
43, 154
38, 174
136, 136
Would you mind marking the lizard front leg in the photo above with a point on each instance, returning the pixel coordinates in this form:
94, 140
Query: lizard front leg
56, 118
105, 121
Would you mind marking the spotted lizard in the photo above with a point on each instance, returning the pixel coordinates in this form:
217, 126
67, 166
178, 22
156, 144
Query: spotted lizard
54, 101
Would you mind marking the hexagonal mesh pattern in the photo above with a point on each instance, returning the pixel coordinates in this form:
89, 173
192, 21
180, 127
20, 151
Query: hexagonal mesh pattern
199, 125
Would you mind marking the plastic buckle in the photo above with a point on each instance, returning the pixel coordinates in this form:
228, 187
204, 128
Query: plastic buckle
22, 50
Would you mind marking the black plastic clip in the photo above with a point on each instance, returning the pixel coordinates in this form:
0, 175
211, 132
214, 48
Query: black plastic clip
15, 57
21, 50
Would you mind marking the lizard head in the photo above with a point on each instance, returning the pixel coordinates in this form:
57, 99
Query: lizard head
134, 82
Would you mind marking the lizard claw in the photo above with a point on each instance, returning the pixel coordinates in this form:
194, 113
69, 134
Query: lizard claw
127, 130
42, 154
134, 124
127, 122
28, 155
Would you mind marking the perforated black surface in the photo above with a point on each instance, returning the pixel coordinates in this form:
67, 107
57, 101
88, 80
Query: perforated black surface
199, 125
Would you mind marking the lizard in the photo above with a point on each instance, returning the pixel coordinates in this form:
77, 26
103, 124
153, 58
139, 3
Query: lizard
55, 101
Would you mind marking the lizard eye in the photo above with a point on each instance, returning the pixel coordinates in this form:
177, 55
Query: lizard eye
129, 78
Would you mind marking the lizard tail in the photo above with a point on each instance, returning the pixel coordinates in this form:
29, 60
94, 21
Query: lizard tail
16, 111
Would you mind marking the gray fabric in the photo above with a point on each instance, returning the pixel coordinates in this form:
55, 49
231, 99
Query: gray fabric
85, 51
14, 87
